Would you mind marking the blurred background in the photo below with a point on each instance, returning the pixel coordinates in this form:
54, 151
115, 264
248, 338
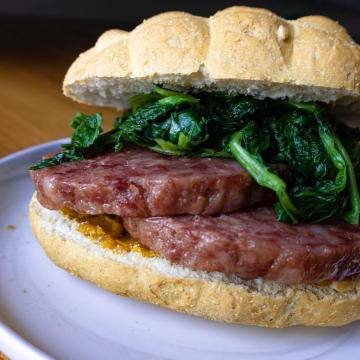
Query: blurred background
40, 38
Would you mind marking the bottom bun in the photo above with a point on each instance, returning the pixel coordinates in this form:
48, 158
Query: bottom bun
212, 295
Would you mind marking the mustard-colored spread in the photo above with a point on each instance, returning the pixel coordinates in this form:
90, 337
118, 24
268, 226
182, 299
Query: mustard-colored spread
108, 232
341, 285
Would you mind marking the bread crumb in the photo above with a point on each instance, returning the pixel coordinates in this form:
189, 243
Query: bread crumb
11, 227
282, 33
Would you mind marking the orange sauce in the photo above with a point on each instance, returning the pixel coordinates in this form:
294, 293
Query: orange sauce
108, 232
341, 285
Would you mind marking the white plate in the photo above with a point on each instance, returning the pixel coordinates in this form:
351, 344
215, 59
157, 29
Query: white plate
46, 312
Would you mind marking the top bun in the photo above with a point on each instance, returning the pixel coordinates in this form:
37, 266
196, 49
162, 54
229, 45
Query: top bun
239, 50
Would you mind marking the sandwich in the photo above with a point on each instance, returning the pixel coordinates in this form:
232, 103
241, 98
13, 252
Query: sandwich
228, 187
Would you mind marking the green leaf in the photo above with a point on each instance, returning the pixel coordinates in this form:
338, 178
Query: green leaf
261, 173
184, 142
140, 100
206, 152
176, 100
87, 130
350, 138
351, 215
331, 144
86, 140
137, 128
57, 160
176, 97
167, 147
310, 107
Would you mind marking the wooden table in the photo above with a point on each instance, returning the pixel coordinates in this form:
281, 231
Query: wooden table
34, 57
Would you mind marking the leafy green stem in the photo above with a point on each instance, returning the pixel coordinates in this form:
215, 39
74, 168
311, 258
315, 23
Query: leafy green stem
261, 173
352, 215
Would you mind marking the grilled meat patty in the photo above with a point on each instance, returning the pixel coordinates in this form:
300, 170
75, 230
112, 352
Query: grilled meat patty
252, 243
142, 183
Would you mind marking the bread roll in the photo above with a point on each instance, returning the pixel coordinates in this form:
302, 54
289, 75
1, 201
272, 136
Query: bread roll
213, 296
239, 50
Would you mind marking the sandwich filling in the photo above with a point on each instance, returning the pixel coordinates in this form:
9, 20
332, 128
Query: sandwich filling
108, 232
322, 155
139, 182
256, 188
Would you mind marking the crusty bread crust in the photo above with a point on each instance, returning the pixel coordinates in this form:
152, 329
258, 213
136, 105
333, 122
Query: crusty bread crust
213, 296
237, 50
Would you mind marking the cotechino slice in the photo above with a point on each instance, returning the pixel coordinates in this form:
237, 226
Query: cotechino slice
252, 244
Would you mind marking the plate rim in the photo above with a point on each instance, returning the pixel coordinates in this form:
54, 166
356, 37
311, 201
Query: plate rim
25, 151
12, 344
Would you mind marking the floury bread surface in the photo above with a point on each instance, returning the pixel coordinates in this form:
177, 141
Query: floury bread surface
210, 295
238, 50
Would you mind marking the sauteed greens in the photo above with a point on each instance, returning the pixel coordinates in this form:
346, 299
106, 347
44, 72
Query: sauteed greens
322, 156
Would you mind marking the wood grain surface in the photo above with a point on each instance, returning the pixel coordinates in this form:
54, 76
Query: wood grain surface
34, 57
